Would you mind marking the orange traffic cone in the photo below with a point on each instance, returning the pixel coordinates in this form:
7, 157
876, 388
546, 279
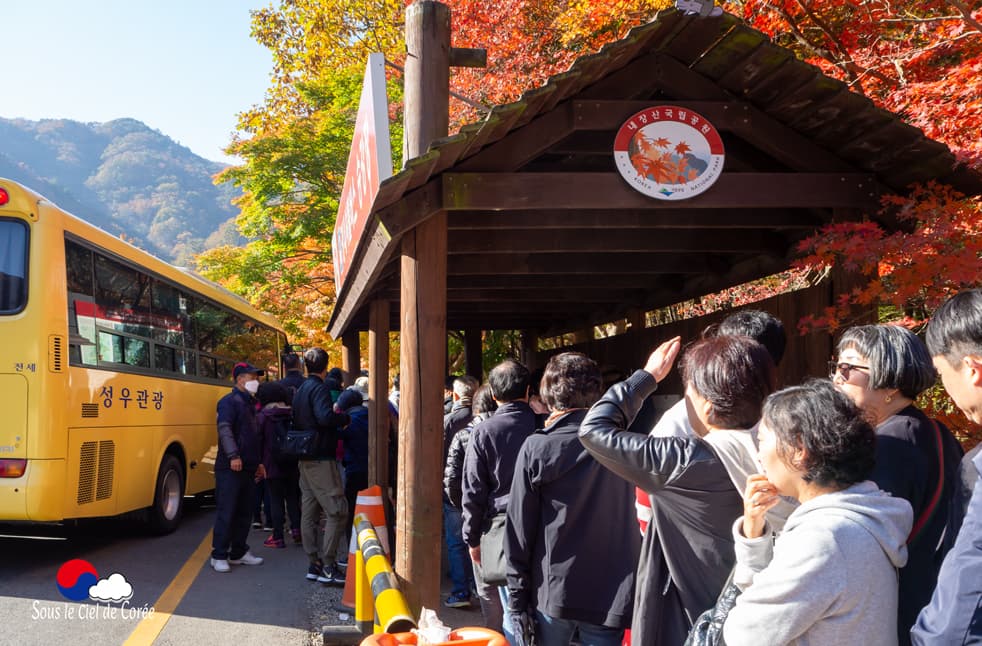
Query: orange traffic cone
370, 504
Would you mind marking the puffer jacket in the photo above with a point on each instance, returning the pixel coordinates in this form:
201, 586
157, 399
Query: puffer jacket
453, 474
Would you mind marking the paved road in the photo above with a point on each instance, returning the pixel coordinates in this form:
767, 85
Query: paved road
262, 605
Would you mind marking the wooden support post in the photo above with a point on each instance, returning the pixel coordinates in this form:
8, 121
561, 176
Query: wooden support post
350, 357
473, 358
584, 335
378, 386
423, 315
427, 81
530, 348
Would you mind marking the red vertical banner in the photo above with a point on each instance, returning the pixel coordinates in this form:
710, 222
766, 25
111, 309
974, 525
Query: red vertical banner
369, 163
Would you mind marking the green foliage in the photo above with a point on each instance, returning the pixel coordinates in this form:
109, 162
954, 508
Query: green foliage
291, 185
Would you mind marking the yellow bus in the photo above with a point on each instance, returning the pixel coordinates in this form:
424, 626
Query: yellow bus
111, 364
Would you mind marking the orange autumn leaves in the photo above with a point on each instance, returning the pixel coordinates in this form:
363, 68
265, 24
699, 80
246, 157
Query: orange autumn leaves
653, 158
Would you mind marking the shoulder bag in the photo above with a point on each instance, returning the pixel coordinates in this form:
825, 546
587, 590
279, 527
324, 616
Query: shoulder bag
707, 630
493, 567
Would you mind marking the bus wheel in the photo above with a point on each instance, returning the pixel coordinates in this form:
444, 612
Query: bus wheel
168, 498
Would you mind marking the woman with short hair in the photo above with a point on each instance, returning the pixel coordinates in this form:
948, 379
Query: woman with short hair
883, 368
687, 549
830, 577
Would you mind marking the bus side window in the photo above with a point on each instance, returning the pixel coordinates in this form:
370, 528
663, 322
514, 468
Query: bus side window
81, 305
173, 325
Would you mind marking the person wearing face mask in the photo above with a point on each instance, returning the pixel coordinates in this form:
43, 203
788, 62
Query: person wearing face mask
237, 468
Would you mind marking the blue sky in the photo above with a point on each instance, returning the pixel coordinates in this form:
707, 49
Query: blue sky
183, 67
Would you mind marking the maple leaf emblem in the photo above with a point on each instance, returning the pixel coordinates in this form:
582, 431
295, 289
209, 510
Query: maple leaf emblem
682, 148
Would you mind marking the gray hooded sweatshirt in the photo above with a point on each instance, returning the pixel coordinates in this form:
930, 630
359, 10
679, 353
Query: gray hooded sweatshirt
830, 579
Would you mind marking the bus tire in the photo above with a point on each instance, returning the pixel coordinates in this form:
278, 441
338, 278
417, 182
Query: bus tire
168, 497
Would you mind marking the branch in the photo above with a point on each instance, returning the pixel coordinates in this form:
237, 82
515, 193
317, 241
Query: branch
916, 20
819, 51
966, 14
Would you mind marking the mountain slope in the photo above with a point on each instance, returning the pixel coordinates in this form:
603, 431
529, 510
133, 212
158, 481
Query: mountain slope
124, 177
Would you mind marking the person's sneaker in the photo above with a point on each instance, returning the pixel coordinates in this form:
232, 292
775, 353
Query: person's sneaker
331, 575
256, 524
220, 565
267, 528
458, 601
314, 571
274, 542
297, 537
247, 559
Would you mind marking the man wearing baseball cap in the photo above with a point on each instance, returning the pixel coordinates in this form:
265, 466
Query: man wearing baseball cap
237, 467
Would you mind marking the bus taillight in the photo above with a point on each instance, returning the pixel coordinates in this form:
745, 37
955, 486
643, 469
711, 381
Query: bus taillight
4, 196
12, 467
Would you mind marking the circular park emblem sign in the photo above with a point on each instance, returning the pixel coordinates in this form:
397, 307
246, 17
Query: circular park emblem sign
669, 152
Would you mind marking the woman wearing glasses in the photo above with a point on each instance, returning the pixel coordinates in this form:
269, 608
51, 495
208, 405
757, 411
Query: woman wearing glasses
883, 368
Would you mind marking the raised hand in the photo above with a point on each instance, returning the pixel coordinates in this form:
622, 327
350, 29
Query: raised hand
661, 360
758, 499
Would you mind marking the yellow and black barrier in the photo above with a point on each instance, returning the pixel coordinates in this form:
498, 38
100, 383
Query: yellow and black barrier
379, 604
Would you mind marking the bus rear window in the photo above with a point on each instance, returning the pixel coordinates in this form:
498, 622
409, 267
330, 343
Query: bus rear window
13, 266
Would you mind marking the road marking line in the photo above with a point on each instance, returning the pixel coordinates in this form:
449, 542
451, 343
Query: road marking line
150, 626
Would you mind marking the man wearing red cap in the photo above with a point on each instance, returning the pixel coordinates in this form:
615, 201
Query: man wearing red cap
237, 467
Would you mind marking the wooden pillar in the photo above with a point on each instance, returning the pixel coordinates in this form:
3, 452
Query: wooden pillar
350, 357
378, 391
584, 335
530, 348
423, 317
473, 358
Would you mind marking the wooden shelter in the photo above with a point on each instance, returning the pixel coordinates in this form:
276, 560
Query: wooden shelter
522, 222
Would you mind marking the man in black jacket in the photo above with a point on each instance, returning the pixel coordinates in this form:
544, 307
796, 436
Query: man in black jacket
571, 538
488, 469
461, 574
293, 378
320, 478
237, 466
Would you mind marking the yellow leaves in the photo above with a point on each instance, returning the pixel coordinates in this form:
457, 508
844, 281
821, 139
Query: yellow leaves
584, 21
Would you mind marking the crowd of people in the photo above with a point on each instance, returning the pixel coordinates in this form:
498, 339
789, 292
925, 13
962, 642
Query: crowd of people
838, 510
315, 494
834, 511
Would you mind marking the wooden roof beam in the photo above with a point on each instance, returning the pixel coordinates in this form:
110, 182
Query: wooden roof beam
617, 241
659, 215
598, 191
575, 264
612, 293
524, 144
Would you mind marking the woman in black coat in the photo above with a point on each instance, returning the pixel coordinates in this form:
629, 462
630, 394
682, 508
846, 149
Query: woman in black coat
883, 368
687, 550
